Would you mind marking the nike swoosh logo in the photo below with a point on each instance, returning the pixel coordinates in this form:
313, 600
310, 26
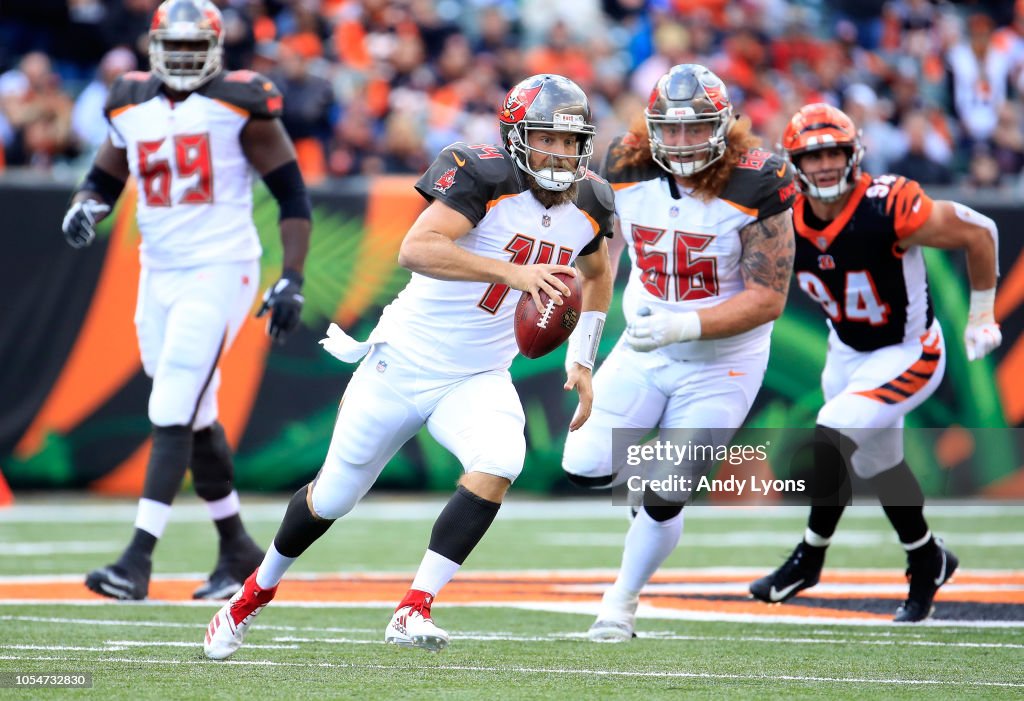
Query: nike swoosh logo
942, 572
733, 373
781, 171
460, 161
780, 594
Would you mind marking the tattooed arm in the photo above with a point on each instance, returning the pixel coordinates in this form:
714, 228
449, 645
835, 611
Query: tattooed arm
767, 264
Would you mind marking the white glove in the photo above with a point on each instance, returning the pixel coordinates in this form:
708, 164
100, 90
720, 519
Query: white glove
982, 335
657, 328
79, 225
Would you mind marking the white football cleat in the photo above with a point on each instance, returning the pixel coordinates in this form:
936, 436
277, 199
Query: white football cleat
227, 629
409, 627
615, 619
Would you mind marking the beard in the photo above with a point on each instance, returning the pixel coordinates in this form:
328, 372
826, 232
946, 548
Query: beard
551, 198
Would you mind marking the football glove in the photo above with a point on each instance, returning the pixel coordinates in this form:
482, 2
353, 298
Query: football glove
656, 328
284, 302
79, 225
982, 335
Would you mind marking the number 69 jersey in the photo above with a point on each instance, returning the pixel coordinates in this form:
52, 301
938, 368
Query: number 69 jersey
194, 181
457, 328
686, 252
874, 293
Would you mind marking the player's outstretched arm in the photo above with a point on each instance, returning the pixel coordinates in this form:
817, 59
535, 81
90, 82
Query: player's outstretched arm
95, 197
429, 249
272, 154
951, 225
596, 282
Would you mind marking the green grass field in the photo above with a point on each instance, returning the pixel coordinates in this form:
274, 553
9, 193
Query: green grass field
522, 649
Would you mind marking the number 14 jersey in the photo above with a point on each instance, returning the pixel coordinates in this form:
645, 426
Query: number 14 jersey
194, 181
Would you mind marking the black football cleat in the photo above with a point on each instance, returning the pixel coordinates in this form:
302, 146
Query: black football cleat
801, 570
926, 576
237, 560
127, 579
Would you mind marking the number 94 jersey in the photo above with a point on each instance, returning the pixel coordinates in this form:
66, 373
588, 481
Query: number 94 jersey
874, 293
194, 181
686, 251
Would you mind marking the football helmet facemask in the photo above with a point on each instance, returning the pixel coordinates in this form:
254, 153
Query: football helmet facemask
688, 94
186, 43
547, 102
820, 126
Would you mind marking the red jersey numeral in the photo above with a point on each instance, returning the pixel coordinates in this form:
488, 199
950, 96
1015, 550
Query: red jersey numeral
696, 277
191, 159
521, 247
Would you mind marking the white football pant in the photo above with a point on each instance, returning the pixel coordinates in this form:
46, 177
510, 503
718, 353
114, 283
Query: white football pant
182, 318
867, 394
479, 418
630, 393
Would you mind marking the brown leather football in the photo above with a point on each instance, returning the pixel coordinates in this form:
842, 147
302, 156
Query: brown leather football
539, 334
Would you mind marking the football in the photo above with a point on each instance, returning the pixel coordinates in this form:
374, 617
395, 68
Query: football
539, 334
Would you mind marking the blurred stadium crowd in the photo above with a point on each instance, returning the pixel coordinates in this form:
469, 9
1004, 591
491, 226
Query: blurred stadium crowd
381, 86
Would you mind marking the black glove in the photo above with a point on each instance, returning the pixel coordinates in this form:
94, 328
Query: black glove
79, 225
284, 301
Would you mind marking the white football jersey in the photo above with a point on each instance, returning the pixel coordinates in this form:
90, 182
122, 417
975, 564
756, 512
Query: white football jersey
685, 252
461, 328
194, 181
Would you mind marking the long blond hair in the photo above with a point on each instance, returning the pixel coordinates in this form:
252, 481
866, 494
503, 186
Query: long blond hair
635, 151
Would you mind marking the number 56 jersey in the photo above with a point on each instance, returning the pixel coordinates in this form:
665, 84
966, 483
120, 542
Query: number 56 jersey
686, 252
874, 293
194, 181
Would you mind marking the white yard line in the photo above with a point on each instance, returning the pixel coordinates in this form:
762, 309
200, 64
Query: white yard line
59, 547
419, 509
434, 669
782, 539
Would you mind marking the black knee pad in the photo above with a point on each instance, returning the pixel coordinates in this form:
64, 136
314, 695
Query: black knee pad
213, 470
590, 482
172, 446
659, 509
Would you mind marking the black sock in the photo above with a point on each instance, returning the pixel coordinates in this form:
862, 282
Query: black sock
829, 487
903, 502
230, 528
172, 448
299, 528
461, 525
142, 545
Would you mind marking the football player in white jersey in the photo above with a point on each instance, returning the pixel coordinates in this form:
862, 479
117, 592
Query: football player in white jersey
859, 255
706, 218
500, 218
192, 134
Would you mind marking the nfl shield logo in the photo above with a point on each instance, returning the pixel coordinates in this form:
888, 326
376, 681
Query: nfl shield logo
545, 220
674, 212
381, 366
822, 243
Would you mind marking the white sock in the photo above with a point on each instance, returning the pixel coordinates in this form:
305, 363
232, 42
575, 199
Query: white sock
272, 568
815, 540
434, 572
223, 507
917, 544
152, 517
648, 544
